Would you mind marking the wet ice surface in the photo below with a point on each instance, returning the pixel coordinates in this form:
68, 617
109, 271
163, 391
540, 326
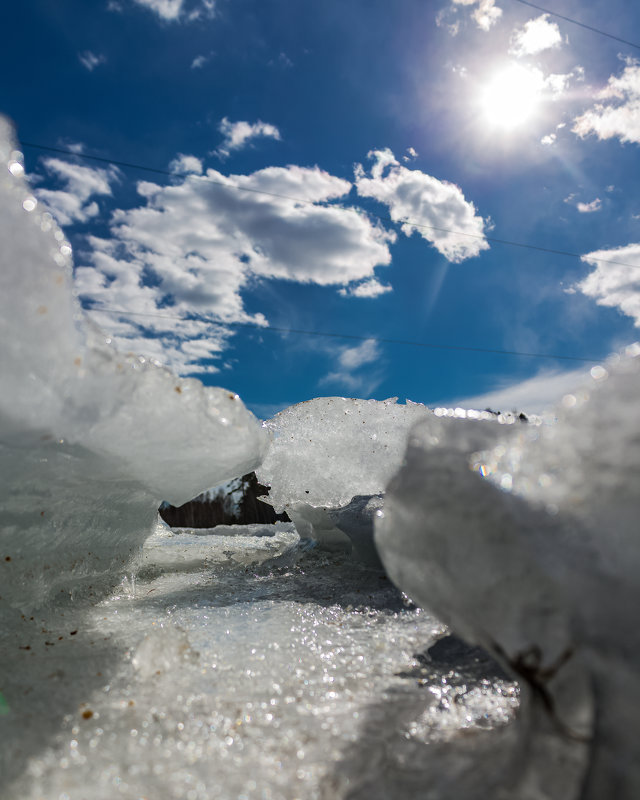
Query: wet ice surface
243, 666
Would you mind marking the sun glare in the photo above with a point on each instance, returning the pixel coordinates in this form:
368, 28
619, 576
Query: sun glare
512, 96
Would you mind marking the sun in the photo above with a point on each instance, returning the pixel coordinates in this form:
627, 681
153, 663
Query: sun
512, 97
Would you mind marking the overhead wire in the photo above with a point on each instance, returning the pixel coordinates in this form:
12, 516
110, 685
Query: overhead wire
324, 204
334, 335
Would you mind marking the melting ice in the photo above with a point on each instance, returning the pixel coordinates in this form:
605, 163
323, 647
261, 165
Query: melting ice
280, 661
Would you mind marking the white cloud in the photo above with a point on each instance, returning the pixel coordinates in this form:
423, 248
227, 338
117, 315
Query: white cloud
71, 203
411, 154
549, 139
349, 373
532, 396
589, 208
90, 60
238, 134
614, 285
193, 247
485, 13
175, 10
424, 200
166, 9
199, 61
536, 35
369, 288
182, 164
619, 114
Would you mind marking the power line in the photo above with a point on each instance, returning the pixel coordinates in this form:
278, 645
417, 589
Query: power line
580, 24
333, 335
381, 217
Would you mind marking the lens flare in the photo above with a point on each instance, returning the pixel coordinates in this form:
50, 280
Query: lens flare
512, 96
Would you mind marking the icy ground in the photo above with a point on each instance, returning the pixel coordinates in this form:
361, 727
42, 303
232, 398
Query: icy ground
240, 664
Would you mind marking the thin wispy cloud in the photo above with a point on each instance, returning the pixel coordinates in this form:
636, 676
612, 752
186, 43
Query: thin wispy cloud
485, 13
91, 60
199, 61
369, 288
532, 396
355, 368
175, 10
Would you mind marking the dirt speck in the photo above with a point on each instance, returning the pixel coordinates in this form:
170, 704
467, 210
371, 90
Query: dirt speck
87, 713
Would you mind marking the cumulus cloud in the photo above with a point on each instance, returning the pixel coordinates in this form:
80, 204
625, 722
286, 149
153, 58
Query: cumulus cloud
349, 372
73, 202
615, 285
535, 36
417, 199
90, 60
192, 247
182, 164
619, 113
549, 139
589, 208
176, 10
238, 134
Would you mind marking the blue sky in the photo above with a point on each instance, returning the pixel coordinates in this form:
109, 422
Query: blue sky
337, 167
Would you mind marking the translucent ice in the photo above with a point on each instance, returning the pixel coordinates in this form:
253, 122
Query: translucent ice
329, 461
327, 450
90, 439
529, 546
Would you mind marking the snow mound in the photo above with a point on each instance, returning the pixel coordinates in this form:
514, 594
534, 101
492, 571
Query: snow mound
90, 439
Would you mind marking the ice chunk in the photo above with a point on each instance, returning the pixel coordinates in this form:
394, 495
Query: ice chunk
90, 440
327, 450
529, 547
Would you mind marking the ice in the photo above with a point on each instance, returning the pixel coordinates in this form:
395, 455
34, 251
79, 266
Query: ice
328, 464
219, 676
530, 548
249, 662
91, 440
326, 451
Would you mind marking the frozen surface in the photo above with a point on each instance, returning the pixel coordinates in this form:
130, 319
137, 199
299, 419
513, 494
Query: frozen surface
329, 461
530, 548
331, 458
90, 440
217, 672
327, 450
